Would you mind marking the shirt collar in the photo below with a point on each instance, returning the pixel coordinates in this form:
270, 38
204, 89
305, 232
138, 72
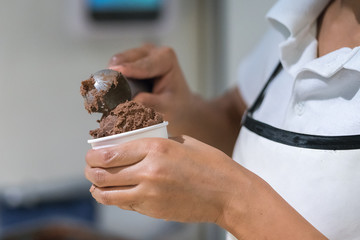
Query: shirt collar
329, 64
354, 62
296, 20
289, 16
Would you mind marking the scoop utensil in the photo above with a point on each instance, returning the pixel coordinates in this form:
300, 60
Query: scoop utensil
110, 88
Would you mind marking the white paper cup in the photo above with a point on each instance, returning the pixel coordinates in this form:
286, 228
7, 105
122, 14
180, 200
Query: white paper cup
158, 130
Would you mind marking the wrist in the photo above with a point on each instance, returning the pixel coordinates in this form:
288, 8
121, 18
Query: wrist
235, 208
256, 211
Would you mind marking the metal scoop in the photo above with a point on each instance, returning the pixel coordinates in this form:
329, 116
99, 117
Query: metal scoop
110, 88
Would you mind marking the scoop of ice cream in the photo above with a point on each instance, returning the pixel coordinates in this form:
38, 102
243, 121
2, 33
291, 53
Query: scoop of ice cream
106, 89
125, 117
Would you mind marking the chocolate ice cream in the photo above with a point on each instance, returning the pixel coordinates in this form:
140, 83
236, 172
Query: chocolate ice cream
123, 117
104, 90
126, 117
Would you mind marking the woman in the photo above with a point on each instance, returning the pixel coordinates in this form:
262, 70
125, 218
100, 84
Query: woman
295, 174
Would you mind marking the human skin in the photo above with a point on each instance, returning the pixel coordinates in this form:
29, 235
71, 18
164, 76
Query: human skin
184, 179
187, 113
340, 23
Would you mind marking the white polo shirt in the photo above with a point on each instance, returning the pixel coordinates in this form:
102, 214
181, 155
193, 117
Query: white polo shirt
311, 95
317, 96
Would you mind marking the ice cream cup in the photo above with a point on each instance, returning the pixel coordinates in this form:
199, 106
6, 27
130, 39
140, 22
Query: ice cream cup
158, 130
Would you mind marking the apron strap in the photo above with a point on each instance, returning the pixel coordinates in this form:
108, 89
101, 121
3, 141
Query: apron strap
261, 96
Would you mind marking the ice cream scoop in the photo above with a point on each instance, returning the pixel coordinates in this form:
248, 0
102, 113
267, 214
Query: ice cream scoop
106, 89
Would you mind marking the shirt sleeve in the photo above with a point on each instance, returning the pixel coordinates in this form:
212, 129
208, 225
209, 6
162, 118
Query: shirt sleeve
257, 67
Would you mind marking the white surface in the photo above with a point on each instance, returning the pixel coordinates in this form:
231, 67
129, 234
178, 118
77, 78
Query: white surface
154, 131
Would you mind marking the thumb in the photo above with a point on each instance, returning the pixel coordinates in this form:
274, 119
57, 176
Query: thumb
149, 100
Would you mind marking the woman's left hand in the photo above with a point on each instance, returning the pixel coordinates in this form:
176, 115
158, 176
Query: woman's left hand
178, 179
186, 180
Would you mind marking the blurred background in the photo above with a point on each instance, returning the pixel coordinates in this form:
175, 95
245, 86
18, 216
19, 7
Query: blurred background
46, 49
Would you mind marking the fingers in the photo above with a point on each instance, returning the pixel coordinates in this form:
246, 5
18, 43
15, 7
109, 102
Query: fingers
159, 62
149, 100
119, 156
123, 197
130, 55
110, 177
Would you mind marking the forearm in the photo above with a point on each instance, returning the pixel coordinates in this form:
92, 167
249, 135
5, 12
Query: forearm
256, 211
216, 122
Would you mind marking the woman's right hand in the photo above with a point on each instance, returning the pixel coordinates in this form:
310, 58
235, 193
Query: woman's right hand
215, 122
171, 95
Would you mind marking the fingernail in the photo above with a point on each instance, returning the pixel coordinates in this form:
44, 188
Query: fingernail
117, 67
113, 60
92, 188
